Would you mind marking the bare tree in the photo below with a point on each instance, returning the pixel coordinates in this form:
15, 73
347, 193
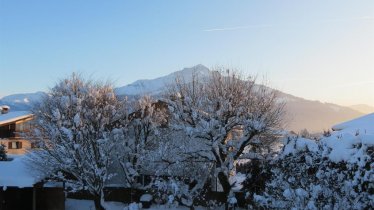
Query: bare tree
74, 128
147, 117
230, 113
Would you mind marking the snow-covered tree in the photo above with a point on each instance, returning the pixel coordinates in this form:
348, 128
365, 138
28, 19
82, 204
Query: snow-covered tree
3, 155
170, 162
333, 173
232, 115
146, 118
75, 125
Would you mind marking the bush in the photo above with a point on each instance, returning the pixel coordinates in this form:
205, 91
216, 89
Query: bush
3, 156
258, 174
313, 176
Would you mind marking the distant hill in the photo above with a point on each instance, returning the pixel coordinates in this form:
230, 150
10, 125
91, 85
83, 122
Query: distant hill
315, 116
21, 102
366, 109
301, 113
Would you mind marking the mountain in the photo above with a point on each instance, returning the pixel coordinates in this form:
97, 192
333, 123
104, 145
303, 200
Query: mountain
301, 113
21, 102
315, 116
155, 86
366, 109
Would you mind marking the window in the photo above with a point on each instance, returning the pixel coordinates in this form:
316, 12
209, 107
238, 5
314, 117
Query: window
7, 131
15, 145
23, 126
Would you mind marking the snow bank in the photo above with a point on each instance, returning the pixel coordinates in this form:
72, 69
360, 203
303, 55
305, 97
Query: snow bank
238, 179
293, 145
346, 147
364, 124
348, 142
340, 146
146, 198
16, 173
74, 204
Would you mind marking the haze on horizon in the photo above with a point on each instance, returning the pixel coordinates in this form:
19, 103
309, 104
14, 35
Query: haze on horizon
320, 50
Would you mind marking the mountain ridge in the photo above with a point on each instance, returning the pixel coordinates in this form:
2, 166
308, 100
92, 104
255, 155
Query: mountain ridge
155, 86
366, 109
22, 101
315, 116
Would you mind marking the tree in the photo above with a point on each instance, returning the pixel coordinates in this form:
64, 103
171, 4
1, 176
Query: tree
310, 174
143, 124
231, 114
74, 129
3, 155
170, 161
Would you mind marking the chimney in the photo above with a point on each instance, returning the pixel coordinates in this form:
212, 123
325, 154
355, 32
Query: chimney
4, 109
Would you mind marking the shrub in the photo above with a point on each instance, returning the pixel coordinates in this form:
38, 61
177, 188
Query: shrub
3, 156
321, 175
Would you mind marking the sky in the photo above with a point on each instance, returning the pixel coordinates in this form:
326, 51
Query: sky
318, 50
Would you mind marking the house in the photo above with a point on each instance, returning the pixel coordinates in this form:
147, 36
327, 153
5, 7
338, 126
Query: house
12, 124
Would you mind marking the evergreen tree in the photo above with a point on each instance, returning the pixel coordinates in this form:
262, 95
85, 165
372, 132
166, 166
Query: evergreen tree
3, 155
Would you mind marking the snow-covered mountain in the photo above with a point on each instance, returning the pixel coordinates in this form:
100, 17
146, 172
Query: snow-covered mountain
21, 102
301, 113
155, 86
315, 116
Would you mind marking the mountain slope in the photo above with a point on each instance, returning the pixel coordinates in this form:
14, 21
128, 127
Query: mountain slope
155, 86
21, 102
366, 109
301, 113
314, 115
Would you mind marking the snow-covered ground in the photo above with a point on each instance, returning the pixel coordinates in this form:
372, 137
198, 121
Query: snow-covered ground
15, 173
238, 179
364, 124
74, 204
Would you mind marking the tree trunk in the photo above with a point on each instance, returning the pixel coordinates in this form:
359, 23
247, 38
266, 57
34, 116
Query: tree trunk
98, 204
224, 180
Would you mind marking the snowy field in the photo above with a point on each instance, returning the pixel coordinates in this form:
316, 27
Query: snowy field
15, 173
74, 204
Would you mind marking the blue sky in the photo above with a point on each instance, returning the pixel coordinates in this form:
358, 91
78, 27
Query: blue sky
319, 50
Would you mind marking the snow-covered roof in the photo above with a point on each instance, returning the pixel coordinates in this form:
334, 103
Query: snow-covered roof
5, 107
364, 124
14, 116
16, 173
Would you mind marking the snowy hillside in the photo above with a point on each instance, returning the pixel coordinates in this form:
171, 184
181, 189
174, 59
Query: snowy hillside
366, 109
315, 116
155, 86
21, 102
